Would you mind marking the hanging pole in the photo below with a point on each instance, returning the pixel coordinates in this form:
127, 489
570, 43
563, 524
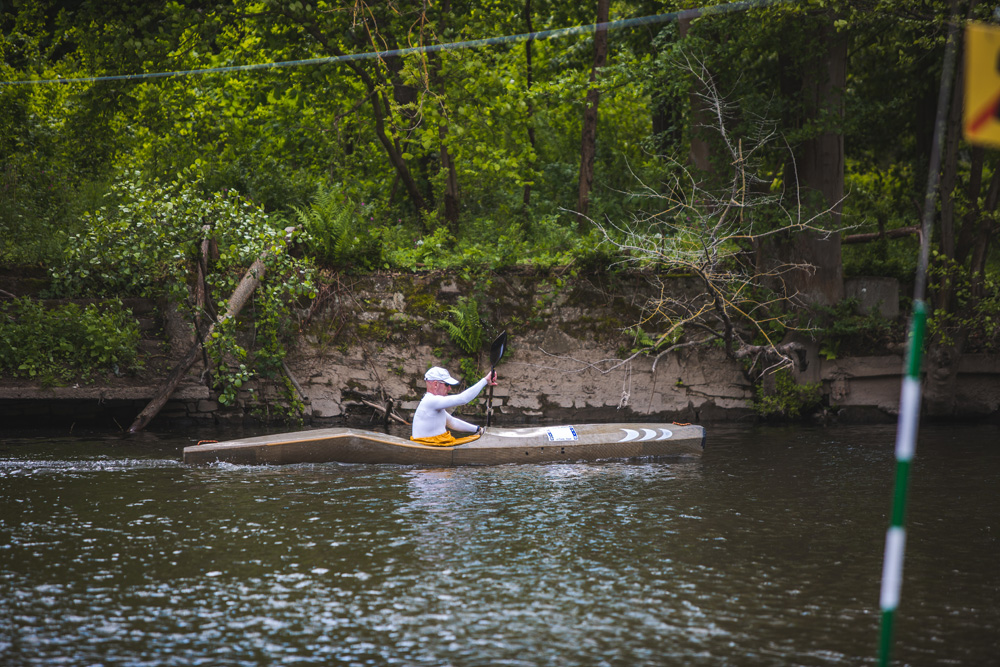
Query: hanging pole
909, 399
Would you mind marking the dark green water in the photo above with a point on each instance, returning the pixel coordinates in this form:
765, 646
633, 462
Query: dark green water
767, 551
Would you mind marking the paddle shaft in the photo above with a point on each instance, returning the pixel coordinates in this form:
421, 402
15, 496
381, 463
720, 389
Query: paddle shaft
496, 353
489, 400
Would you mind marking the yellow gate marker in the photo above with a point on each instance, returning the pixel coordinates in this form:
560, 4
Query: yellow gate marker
981, 118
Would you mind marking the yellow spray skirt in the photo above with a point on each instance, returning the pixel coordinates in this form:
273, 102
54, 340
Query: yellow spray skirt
446, 439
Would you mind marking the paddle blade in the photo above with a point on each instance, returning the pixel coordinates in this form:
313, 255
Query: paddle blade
496, 350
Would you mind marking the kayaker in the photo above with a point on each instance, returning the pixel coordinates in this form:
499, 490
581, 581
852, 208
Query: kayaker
431, 420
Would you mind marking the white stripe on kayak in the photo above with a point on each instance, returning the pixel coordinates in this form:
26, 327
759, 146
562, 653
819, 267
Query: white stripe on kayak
630, 434
520, 432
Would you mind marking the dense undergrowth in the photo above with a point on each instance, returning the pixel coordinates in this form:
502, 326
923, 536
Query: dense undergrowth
67, 342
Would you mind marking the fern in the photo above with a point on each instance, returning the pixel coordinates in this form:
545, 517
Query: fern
466, 330
339, 235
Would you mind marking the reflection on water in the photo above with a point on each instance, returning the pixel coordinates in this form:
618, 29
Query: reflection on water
767, 551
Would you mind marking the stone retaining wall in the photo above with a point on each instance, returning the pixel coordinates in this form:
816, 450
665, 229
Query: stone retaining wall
564, 363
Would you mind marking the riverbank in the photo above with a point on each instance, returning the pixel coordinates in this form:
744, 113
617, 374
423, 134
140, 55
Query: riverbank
368, 343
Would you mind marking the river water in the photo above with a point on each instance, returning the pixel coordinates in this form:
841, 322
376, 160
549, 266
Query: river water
766, 551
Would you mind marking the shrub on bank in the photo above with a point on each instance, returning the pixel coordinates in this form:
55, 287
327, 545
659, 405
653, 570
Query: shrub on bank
67, 342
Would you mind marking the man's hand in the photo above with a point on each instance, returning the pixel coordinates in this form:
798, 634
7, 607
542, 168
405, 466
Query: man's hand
493, 379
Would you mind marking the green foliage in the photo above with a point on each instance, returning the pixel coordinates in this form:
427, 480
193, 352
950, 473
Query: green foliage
880, 200
342, 234
974, 315
843, 331
789, 400
148, 242
465, 328
273, 135
469, 369
594, 255
478, 128
479, 247
147, 238
435, 251
67, 342
647, 343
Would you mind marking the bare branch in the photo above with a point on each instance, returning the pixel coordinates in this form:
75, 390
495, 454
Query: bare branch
708, 232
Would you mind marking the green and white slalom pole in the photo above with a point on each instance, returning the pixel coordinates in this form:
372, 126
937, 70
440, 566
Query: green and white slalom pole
909, 399
906, 443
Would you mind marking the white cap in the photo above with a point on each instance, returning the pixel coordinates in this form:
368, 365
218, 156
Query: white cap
438, 374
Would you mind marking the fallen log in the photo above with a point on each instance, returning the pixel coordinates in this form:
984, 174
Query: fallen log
238, 299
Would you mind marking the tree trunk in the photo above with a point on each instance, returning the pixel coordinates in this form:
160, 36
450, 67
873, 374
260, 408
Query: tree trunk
529, 76
821, 166
699, 152
588, 144
943, 356
818, 168
381, 110
949, 172
822, 162
988, 228
451, 198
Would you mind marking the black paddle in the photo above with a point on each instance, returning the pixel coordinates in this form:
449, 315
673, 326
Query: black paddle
496, 352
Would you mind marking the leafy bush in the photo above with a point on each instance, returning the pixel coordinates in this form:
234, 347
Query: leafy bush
880, 197
68, 342
148, 242
38, 207
789, 400
976, 315
842, 331
554, 242
434, 251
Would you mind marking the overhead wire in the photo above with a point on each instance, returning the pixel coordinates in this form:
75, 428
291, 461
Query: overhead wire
554, 33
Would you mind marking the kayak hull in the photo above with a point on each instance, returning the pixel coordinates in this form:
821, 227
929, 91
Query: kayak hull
544, 444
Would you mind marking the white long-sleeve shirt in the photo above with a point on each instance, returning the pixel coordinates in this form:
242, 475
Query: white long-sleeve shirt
431, 417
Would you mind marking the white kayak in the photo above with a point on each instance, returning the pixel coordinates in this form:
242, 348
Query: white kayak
533, 444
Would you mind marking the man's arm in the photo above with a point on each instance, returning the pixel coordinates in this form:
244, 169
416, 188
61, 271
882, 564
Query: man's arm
459, 425
440, 402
